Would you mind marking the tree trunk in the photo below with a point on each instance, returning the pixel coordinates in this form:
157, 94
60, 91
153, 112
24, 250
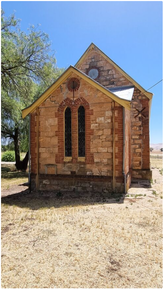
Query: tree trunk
17, 151
20, 165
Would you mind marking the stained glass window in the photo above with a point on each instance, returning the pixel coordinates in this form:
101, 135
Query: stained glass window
81, 131
68, 146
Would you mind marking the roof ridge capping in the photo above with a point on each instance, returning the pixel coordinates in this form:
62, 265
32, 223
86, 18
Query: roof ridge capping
92, 46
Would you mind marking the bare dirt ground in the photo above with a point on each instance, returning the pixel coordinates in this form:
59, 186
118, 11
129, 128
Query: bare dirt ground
87, 241
14, 189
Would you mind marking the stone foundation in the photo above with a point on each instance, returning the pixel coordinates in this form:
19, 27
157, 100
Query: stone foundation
62, 183
142, 174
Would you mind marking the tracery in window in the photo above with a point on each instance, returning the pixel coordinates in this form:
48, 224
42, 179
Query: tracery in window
81, 131
68, 144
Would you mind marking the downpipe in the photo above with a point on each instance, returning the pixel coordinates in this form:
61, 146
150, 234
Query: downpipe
124, 147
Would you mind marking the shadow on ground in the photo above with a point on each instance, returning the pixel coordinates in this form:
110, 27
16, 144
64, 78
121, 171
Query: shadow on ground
21, 196
36, 200
138, 183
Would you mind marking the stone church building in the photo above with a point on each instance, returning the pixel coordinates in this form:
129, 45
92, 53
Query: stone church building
90, 129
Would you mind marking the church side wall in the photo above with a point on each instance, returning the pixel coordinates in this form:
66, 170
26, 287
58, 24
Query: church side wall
140, 144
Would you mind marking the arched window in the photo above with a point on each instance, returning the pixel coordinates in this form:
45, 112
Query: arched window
74, 131
68, 146
81, 131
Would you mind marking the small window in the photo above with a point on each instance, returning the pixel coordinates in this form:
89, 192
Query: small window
81, 131
68, 146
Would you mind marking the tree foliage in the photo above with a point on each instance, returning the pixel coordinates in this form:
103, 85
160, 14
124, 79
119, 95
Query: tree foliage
25, 57
28, 67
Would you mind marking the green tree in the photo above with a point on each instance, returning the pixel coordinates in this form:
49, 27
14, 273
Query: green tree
28, 67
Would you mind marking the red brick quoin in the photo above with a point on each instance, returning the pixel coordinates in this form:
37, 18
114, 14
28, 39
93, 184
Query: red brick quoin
74, 105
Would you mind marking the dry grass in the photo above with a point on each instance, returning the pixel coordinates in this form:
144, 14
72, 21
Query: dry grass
156, 159
83, 241
10, 176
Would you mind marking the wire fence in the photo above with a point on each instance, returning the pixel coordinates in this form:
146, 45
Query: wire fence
156, 156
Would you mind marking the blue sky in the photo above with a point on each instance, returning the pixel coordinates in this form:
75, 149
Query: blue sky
130, 33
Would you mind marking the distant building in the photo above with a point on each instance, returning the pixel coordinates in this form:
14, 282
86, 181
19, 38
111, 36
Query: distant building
90, 129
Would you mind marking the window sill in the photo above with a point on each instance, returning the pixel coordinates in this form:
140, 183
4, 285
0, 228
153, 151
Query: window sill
67, 159
81, 159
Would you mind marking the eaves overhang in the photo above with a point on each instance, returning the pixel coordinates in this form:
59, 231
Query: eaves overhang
61, 79
137, 85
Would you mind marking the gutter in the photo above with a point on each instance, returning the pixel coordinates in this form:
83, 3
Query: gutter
124, 147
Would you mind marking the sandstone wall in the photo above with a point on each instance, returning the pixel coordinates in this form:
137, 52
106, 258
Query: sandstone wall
99, 134
140, 150
98, 160
108, 75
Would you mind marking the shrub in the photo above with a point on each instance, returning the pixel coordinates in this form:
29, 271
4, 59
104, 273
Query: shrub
154, 193
161, 171
8, 156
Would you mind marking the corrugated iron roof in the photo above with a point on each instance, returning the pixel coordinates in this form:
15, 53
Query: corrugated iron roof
123, 92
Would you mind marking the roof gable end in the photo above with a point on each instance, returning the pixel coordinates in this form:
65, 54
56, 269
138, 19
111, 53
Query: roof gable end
61, 79
129, 78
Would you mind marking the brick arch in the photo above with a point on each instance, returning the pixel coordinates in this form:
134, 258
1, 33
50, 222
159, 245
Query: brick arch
82, 102
74, 105
65, 103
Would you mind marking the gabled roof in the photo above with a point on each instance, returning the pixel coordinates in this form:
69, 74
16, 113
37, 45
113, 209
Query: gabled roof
62, 78
92, 46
